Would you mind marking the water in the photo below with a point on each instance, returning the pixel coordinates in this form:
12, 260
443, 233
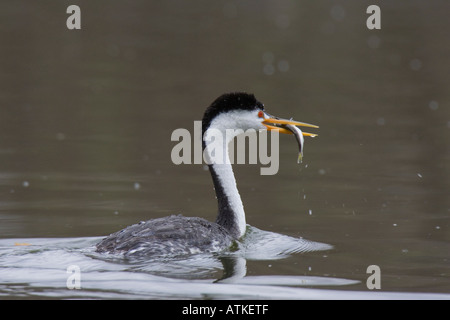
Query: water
85, 124
42, 267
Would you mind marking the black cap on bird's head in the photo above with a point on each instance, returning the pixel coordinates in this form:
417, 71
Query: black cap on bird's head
229, 102
240, 110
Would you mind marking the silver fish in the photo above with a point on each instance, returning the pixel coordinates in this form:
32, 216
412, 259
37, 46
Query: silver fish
299, 137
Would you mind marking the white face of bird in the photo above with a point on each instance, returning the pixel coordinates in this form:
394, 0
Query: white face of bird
237, 120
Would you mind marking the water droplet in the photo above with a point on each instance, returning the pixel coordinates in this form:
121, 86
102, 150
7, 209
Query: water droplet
60, 136
381, 121
433, 105
26, 184
268, 69
337, 12
137, 186
415, 64
283, 65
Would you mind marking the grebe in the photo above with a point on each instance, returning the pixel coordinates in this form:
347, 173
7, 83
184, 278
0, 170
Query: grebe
179, 235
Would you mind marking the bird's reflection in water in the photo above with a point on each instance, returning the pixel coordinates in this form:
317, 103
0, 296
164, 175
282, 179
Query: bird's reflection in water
231, 266
234, 269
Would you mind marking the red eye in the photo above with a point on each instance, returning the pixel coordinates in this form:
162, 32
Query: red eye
261, 114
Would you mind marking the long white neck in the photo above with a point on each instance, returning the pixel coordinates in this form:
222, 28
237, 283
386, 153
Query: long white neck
231, 210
